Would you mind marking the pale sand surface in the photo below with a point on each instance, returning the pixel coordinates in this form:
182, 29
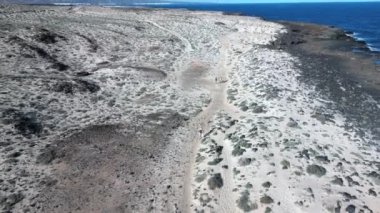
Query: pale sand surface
101, 112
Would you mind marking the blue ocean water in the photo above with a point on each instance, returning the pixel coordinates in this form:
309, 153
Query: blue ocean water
362, 19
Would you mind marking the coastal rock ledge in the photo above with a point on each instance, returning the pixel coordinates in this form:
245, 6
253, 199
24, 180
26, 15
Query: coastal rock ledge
138, 110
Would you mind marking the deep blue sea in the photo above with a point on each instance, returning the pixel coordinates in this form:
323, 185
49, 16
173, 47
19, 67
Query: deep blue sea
363, 19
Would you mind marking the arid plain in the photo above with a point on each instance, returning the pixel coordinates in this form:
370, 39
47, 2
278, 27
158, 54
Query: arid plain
138, 110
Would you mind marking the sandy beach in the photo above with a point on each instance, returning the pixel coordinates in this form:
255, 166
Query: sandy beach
158, 110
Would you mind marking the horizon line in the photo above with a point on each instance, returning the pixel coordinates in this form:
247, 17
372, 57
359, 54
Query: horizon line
279, 2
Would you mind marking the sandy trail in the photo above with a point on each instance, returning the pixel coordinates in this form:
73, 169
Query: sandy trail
188, 48
217, 89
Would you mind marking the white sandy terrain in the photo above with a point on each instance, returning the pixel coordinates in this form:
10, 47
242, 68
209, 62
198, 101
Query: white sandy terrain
101, 112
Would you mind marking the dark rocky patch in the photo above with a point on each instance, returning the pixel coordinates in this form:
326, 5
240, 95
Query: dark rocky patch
8, 202
4, 144
316, 170
348, 196
266, 199
218, 150
26, 123
215, 161
338, 207
237, 151
201, 177
337, 181
48, 182
322, 116
351, 181
375, 176
139, 28
82, 74
267, 184
285, 164
244, 203
78, 85
199, 158
256, 108
304, 154
14, 155
47, 37
40, 52
244, 161
372, 192
248, 186
350, 208
310, 190
60, 66
292, 123
87, 86
322, 158
64, 87
215, 181
47, 155
326, 63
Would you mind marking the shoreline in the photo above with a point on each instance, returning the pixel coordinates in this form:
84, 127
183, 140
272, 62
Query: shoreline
329, 50
347, 33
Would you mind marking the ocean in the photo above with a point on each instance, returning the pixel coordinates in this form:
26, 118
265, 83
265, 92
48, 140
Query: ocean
360, 19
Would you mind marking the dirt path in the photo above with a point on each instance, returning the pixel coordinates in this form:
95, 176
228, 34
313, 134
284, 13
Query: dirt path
218, 104
187, 43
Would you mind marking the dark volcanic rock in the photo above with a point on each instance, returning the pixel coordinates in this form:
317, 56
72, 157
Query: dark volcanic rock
244, 161
267, 184
65, 87
47, 37
348, 196
201, 177
47, 156
219, 150
316, 170
26, 123
266, 199
351, 181
220, 23
237, 151
78, 85
292, 123
83, 73
216, 181
372, 192
14, 155
40, 52
285, 164
322, 158
87, 86
350, 208
337, 181
338, 207
8, 202
215, 161
60, 66
244, 202
375, 177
